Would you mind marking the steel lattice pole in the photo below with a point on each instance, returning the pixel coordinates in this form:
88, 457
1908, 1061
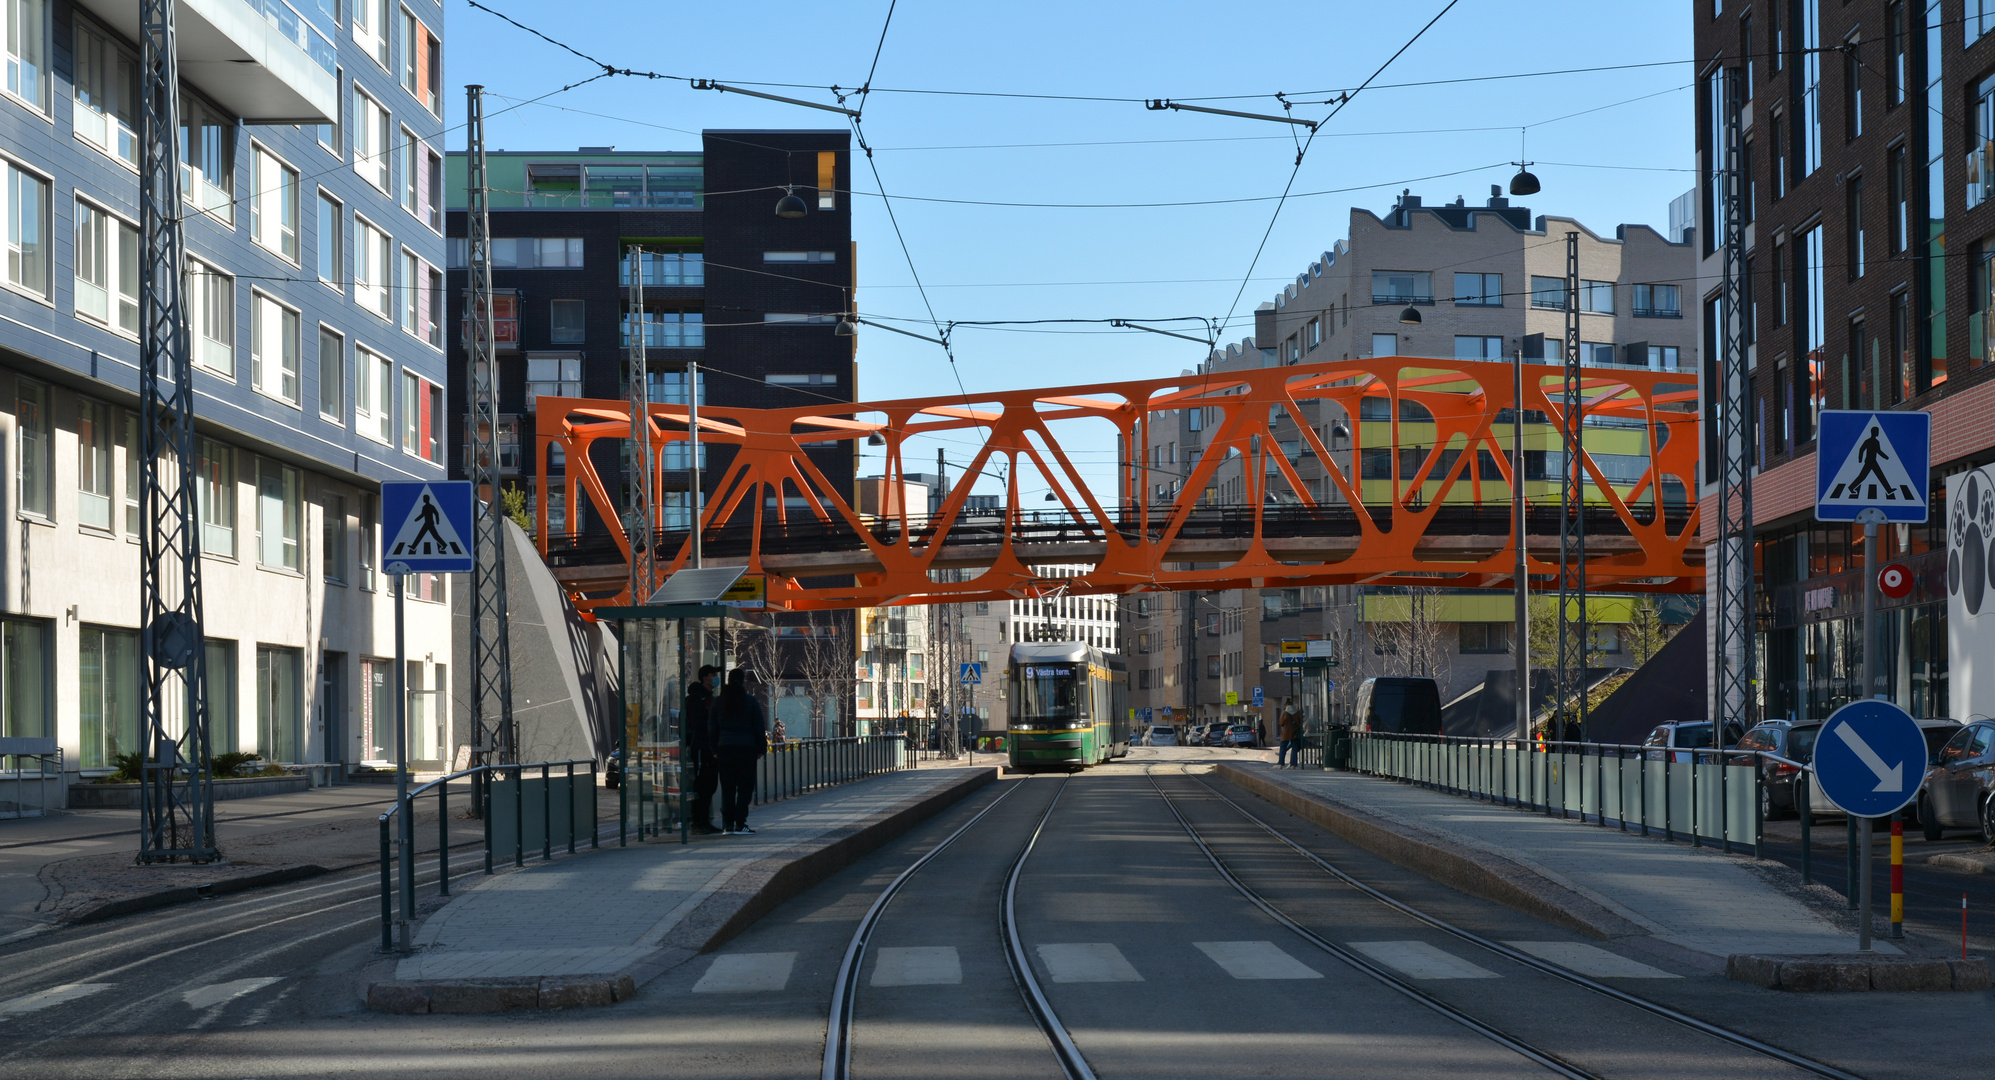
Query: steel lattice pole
1572, 518
494, 740
1735, 656
176, 797
640, 523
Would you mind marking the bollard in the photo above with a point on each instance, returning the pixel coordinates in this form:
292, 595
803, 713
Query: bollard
1849, 859
1807, 815
1897, 877
442, 839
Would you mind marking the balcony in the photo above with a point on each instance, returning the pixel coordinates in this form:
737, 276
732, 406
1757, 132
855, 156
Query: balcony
258, 59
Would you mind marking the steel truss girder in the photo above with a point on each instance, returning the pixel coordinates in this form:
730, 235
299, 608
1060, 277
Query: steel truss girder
494, 737
1130, 540
176, 795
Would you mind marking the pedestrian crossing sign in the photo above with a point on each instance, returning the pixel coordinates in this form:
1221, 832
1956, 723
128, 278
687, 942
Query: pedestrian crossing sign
1872, 466
426, 527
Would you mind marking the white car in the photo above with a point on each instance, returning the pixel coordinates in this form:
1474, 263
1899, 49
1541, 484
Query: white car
1162, 736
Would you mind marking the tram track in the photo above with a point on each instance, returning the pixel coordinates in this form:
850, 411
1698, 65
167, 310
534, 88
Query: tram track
1559, 1064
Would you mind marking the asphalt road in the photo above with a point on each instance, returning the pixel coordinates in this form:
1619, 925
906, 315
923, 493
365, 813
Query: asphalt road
1155, 963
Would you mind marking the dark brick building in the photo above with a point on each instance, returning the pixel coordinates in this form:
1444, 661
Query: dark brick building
1866, 141
752, 297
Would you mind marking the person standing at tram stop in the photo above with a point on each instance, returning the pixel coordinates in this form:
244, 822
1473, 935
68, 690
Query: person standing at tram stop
700, 748
1290, 732
741, 735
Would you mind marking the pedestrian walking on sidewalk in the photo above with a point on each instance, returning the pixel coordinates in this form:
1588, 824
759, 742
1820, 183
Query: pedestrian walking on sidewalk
741, 734
700, 756
1290, 754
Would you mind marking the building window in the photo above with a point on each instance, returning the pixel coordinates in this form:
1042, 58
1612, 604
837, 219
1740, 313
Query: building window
1814, 337
672, 269
1808, 127
422, 62
1478, 348
332, 241
332, 538
798, 380
1895, 69
279, 702
373, 262
26, 210
215, 490
207, 158
1899, 196
1658, 302
1484, 637
1548, 292
211, 305
273, 348
224, 734
369, 538
332, 136
1382, 345
553, 376
108, 692
26, 50
1312, 335
371, 27
131, 461
1777, 152
827, 180
1852, 89
107, 95
422, 417
273, 205
790, 257
373, 389
93, 464
332, 376
667, 330
280, 511
372, 130
540, 253
1596, 297
567, 322
1853, 197
1980, 19
107, 265
24, 679
1402, 287
1479, 290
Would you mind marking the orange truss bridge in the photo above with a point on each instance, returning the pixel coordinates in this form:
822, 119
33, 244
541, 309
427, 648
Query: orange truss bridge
1418, 494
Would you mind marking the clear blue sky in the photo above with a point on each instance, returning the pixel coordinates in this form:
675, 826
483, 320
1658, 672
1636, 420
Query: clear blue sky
987, 262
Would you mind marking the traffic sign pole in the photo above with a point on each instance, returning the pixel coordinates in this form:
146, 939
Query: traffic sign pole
1870, 517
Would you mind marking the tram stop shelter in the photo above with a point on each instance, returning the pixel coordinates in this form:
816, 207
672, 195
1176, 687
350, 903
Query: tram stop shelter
661, 646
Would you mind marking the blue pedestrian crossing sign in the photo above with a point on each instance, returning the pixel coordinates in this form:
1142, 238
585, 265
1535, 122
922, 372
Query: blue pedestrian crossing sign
1870, 758
426, 527
1872, 466
972, 674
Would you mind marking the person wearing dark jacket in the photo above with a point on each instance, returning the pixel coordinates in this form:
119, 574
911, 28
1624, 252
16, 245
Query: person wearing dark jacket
700, 756
741, 737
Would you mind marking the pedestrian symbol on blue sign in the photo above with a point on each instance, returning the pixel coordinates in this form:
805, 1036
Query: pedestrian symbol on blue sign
972, 674
1872, 466
1260, 699
1870, 758
428, 527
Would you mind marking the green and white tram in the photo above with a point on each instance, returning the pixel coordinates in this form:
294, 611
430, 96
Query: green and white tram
1067, 705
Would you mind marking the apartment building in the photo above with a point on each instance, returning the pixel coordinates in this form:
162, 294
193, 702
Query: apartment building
1487, 282
309, 168
752, 297
1869, 233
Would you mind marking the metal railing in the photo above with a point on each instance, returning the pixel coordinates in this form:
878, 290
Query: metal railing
47, 774
796, 767
1704, 795
504, 794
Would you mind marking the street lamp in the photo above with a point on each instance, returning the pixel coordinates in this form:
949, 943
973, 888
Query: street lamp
790, 206
1410, 316
1525, 182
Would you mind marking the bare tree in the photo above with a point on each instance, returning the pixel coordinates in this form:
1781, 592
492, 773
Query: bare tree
1411, 639
827, 671
1646, 633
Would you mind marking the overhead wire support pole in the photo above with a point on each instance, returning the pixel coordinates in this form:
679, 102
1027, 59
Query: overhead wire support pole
640, 519
176, 793
493, 738
1735, 649
1158, 105
1572, 516
709, 84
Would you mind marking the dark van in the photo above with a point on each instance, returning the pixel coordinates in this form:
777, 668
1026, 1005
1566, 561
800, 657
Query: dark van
1399, 705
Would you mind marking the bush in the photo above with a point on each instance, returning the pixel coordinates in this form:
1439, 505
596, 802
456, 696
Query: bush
128, 769
231, 763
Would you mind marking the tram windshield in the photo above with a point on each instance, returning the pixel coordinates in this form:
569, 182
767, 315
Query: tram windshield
1051, 692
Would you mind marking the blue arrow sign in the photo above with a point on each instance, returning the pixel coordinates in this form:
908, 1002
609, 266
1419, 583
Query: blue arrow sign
426, 527
1870, 758
972, 674
1872, 461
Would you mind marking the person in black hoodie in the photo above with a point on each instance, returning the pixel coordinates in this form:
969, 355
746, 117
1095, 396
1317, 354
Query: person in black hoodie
741, 735
700, 756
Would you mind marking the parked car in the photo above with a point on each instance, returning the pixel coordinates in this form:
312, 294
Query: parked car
1687, 735
1795, 742
1400, 705
1959, 783
1939, 733
1162, 735
1241, 735
1215, 734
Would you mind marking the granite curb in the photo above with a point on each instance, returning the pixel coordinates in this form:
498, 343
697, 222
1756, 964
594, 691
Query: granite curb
1805, 974
1470, 870
749, 893
184, 894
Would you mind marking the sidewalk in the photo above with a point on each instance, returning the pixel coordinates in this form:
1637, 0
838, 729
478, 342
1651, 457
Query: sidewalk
1598, 880
589, 929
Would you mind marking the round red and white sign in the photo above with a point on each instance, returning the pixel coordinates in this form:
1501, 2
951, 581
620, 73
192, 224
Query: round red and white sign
1894, 581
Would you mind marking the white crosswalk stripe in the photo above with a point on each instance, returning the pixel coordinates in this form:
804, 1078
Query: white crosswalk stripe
1256, 960
931, 965
734, 973
1421, 960
1095, 962
1590, 960
207, 997
42, 999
